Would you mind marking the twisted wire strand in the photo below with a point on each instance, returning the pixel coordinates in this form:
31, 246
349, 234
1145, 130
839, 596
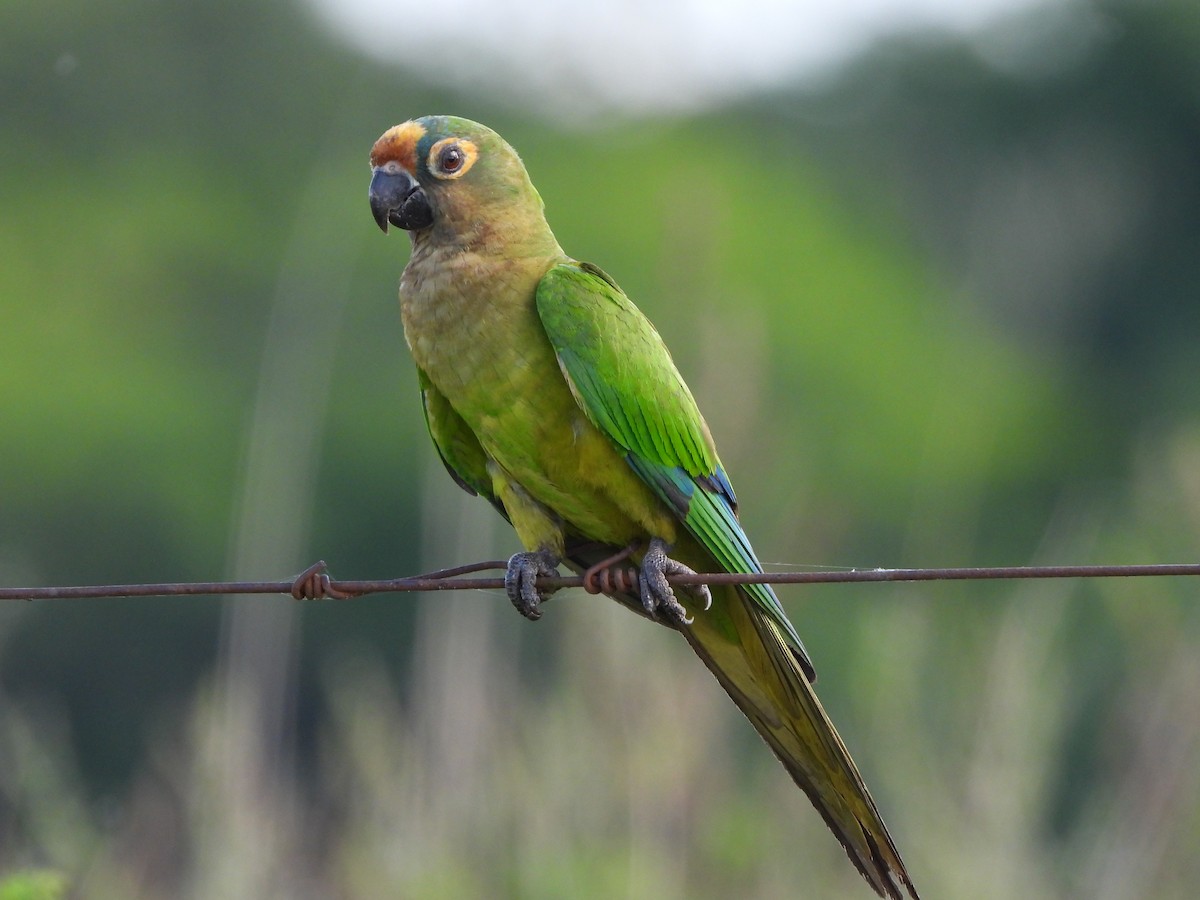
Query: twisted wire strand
314, 582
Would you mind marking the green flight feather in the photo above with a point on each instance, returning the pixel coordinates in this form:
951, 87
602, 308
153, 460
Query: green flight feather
621, 370
623, 377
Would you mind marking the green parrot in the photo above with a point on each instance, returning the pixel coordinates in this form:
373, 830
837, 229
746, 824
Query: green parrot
550, 394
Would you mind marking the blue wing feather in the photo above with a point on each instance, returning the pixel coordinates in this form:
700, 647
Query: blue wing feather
706, 506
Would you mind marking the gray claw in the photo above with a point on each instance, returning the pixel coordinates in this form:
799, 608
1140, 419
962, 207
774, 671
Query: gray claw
657, 595
520, 580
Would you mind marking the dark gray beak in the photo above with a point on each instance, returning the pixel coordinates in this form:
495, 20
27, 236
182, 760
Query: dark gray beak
397, 198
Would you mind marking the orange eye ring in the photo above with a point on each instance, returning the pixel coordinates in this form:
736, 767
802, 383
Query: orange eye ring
451, 158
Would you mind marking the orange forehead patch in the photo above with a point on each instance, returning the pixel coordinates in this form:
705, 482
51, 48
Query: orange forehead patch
399, 143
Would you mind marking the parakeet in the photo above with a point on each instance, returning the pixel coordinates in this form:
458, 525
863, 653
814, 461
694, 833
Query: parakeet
547, 392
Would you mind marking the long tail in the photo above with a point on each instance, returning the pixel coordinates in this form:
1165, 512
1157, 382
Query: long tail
752, 661
747, 653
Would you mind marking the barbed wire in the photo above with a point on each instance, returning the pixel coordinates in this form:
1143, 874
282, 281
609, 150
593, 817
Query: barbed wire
315, 583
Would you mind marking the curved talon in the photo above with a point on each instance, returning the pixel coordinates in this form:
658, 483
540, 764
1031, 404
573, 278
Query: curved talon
520, 580
657, 595
314, 584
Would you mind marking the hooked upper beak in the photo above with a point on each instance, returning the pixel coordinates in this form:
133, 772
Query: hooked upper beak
397, 198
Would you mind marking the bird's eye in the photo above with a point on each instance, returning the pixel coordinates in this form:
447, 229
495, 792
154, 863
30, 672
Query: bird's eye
451, 157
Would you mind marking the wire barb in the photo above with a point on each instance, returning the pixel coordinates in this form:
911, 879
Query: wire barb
618, 579
314, 584
605, 577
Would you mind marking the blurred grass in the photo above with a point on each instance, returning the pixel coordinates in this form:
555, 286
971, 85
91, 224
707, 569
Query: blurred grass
464, 780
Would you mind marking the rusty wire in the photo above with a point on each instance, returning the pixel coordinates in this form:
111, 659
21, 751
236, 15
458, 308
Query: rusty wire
314, 582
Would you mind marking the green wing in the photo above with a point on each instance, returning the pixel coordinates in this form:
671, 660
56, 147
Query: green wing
456, 443
623, 378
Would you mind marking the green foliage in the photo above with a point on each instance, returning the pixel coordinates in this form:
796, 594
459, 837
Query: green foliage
33, 885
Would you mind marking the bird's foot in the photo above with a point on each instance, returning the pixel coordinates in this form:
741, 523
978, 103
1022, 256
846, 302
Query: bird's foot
314, 584
520, 580
657, 595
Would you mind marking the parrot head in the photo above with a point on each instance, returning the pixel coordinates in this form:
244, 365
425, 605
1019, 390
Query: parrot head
449, 174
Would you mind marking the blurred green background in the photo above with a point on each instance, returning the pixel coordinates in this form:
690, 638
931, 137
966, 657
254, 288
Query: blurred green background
939, 305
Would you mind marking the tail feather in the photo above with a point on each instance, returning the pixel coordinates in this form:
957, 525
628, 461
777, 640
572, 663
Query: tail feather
750, 658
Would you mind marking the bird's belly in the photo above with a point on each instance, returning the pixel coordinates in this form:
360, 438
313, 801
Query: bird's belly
546, 445
500, 374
